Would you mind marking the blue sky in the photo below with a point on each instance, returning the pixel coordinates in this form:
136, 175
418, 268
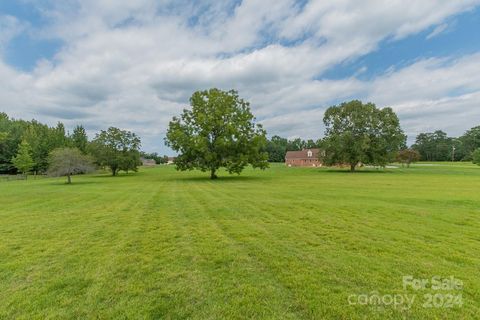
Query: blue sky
25, 49
134, 64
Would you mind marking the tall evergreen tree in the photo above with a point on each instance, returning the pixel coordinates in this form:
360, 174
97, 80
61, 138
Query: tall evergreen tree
23, 160
79, 138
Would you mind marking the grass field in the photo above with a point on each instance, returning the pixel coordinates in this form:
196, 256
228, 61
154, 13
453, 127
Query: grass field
286, 243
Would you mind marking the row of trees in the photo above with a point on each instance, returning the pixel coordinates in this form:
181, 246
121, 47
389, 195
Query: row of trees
437, 146
154, 156
434, 146
31, 146
40, 138
354, 133
277, 147
219, 131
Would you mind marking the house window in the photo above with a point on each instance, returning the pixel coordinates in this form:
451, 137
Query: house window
309, 153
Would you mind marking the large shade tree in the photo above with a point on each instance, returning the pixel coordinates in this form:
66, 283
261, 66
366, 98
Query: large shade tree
218, 131
68, 162
116, 149
361, 133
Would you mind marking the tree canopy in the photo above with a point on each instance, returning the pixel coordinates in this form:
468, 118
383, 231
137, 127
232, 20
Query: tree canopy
434, 146
476, 156
218, 131
116, 149
408, 156
68, 162
361, 133
79, 138
470, 142
438, 146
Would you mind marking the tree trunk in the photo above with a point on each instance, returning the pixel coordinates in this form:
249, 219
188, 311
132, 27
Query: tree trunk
212, 174
69, 179
352, 167
114, 171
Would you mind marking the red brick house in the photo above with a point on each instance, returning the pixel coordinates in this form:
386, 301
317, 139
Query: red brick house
303, 158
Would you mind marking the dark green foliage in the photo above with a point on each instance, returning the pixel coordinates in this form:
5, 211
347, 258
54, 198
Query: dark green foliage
436, 146
277, 147
79, 138
41, 138
470, 142
219, 131
476, 156
154, 156
68, 162
116, 149
361, 133
11, 136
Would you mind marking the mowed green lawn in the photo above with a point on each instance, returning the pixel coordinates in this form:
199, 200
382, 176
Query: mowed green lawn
285, 243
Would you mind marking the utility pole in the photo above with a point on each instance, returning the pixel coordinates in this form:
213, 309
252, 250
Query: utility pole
453, 153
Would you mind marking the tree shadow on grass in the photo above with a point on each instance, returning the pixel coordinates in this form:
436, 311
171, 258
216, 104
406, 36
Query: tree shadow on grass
220, 179
74, 183
360, 171
119, 175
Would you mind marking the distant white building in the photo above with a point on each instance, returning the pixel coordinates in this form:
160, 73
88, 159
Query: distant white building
148, 162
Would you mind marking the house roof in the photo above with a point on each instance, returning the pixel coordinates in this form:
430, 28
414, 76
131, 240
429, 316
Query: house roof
302, 154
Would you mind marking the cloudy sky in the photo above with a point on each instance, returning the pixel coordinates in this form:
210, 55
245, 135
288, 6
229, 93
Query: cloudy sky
134, 64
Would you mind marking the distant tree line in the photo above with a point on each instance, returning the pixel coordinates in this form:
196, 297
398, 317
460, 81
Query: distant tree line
277, 147
437, 146
220, 131
154, 156
32, 146
430, 146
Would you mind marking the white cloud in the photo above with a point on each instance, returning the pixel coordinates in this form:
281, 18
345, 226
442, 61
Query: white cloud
133, 64
441, 28
433, 94
9, 28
